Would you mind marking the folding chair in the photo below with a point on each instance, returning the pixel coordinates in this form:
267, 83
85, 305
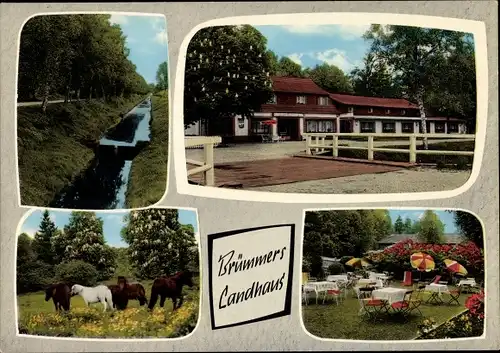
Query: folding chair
336, 293
415, 302
403, 307
306, 289
369, 306
454, 295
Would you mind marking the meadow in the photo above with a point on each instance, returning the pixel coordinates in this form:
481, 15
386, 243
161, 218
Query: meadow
38, 317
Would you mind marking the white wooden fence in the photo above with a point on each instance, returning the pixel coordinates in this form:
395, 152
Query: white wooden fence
207, 165
319, 143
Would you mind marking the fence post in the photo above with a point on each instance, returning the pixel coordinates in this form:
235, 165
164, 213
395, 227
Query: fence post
315, 139
208, 148
370, 148
335, 144
308, 145
413, 149
322, 143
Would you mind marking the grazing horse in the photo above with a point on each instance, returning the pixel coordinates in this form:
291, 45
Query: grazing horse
60, 294
124, 291
170, 287
91, 295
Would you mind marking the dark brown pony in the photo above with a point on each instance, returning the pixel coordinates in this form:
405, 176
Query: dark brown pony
123, 291
170, 287
60, 294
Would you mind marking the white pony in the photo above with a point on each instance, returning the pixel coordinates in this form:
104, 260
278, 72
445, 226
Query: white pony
94, 295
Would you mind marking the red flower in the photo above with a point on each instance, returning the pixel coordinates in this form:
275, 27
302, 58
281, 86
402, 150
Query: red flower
475, 304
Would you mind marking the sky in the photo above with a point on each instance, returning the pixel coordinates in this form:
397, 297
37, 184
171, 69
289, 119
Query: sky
414, 215
147, 41
112, 223
309, 45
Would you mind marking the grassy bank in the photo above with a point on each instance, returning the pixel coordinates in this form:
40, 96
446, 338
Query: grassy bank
148, 176
456, 162
38, 317
53, 148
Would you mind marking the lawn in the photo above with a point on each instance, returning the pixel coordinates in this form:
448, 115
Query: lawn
55, 147
38, 317
343, 321
148, 176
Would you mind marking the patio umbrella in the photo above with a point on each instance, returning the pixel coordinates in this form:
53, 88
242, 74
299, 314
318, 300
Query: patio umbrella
269, 122
422, 262
455, 267
358, 262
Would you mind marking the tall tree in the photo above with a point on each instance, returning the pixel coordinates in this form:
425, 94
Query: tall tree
374, 79
273, 62
227, 74
288, 67
162, 76
25, 251
469, 227
408, 226
330, 78
399, 226
431, 228
83, 240
158, 244
42, 242
415, 55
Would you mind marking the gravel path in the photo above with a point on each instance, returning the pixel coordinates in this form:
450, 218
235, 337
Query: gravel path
411, 180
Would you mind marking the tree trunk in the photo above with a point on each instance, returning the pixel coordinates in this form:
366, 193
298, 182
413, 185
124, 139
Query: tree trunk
90, 93
78, 94
45, 101
423, 118
68, 88
103, 93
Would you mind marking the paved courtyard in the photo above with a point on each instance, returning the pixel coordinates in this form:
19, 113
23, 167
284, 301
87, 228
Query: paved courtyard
353, 179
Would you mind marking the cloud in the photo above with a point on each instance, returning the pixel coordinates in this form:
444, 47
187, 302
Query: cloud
336, 57
161, 36
29, 230
52, 217
346, 32
119, 19
296, 57
116, 219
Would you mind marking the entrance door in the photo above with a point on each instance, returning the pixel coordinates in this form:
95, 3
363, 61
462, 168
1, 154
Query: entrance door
346, 126
288, 129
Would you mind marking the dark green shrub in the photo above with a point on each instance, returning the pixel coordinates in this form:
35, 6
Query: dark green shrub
336, 268
33, 276
77, 272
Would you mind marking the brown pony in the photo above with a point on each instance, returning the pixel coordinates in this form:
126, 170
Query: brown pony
123, 291
60, 294
170, 287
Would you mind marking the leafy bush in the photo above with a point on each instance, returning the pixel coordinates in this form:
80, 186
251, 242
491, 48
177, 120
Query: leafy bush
33, 276
336, 268
77, 272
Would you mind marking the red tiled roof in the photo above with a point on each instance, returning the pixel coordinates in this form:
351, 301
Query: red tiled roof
296, 85
299, 108
372, 101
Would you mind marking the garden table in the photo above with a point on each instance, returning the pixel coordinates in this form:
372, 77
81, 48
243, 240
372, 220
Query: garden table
436, 291
336, 278
366, 281
322, 287
389, 294
467, 282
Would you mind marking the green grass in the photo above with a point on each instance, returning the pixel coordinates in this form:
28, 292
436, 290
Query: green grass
53, 148
38, 317
343, 321
457, 162
148, 176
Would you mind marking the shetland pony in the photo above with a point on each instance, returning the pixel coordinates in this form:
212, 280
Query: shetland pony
170, 287
123, 292
92, 295
60, 294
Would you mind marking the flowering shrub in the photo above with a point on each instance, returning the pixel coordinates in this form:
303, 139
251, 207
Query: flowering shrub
131, 322
470, 323
397, 257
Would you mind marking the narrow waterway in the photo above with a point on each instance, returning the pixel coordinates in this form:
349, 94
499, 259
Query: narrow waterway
104, 184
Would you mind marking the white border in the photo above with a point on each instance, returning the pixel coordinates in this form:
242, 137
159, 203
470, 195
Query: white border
477, 28
409, 341
135, 339
16, 107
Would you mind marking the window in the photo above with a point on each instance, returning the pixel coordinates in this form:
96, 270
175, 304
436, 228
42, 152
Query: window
259, 129
273, 99
350, 110
368, 126
389, 127
370, 110
301, 99
403, 112
322, 100
388, 111
452, 128
320, 126
407, 127
439, 127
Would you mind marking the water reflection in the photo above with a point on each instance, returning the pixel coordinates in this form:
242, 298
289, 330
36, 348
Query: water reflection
104, 184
